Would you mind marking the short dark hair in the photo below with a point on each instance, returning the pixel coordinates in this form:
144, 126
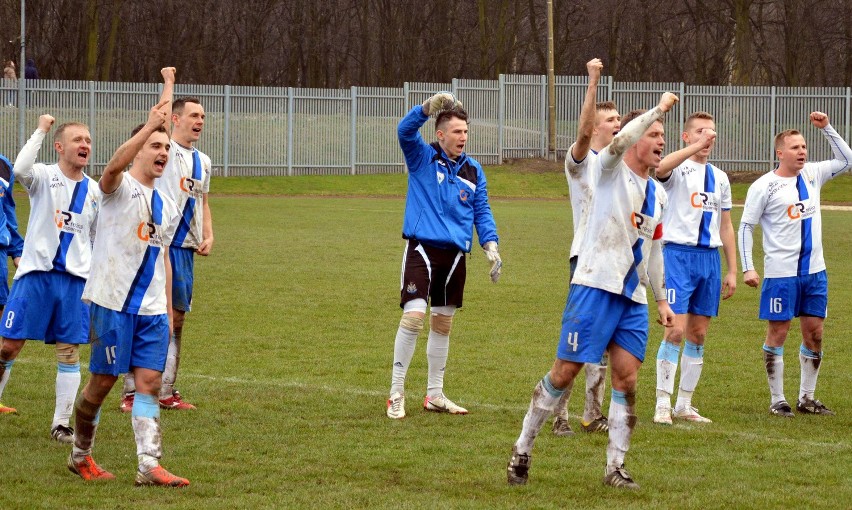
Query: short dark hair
632, 114
781, 137
138, 128
177, 106
446, 115
604, 106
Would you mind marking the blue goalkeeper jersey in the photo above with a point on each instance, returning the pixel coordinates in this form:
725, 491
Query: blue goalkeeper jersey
445, 199
10, 239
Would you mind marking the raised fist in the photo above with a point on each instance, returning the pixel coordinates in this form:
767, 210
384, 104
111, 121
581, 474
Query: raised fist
667, 101
440, 101
45, 122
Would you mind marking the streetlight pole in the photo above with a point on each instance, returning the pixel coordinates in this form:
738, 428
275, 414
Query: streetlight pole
551, 87
22, 124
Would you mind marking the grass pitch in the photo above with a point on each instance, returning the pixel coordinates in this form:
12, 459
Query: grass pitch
288, 351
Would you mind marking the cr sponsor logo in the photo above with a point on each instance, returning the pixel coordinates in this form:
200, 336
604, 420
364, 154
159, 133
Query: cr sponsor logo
145, 231
187, 185
698, 199
795, 211
61, 218
637, 220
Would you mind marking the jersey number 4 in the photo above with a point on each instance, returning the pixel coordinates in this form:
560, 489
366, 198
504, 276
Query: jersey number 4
572, 339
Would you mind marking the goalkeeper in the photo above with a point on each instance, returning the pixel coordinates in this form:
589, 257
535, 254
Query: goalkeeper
447, 196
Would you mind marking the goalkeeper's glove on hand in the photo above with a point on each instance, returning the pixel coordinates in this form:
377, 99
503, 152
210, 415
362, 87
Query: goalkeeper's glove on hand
439, 102
494, 259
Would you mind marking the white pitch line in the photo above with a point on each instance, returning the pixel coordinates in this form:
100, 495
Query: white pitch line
382, 394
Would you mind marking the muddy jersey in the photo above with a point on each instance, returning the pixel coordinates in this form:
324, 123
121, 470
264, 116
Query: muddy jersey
135, 226
698, 193
63, 213
185, 180
582, 178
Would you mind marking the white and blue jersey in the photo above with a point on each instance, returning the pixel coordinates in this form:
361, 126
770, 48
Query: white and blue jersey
698, 193
63, 213
788, 211
185, 180
445, 198
135, 227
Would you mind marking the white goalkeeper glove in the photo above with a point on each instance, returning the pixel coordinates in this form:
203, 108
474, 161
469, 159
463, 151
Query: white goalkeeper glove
439, 102
494, 259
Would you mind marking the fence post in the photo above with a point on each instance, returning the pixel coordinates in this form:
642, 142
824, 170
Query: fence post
290, 105
501, 115
772, 128
92, 128
405, 91
454, 87
226, 149
353, 129
681, 108
609, 85
846, 133
543, 110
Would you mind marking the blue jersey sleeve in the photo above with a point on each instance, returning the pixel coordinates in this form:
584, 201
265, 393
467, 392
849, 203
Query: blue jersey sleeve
483, 219
415, 150
16, 242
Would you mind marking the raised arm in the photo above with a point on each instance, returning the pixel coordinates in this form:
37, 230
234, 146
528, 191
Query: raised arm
586, 126
842, 153
23, 167
633, 131
168, 94
124, 155
670, 162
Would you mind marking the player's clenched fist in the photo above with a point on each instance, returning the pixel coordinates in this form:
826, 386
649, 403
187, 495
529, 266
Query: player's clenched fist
667, 101
594, 67
819, 120
440, 101
45, 122
493, 257
168, 73
157, 115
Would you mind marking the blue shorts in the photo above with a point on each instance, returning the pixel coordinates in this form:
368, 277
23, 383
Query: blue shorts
4, 277
593, 318
183, 265
781, 299
47, 306
693, 279
122, 340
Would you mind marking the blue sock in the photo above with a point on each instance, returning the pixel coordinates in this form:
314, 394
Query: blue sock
145, 406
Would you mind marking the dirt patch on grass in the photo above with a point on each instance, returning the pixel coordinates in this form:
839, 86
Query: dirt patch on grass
534, 166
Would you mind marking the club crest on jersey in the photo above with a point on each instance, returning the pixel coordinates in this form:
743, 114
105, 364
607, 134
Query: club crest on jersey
440, 177
644, 225
800, 211
464, 195
411, 288
147, 232
704, 201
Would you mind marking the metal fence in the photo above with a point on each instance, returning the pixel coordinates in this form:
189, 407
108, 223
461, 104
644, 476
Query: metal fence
290, 131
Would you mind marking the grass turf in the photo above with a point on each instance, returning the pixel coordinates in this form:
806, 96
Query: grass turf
288, 350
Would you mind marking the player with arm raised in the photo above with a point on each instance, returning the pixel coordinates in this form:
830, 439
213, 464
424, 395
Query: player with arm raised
186, 181
44, 303
599, 123
130, 295
447, 196
607, 304
696, 224
786, 204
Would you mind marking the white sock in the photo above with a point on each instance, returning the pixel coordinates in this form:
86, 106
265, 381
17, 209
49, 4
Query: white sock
7, 372
773, 360
810, 362
145, 417
544, 400
170, 371
691, 363
67, 384
437, 350
595, 385
622, 421
129, 383
403, 351
666, 370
